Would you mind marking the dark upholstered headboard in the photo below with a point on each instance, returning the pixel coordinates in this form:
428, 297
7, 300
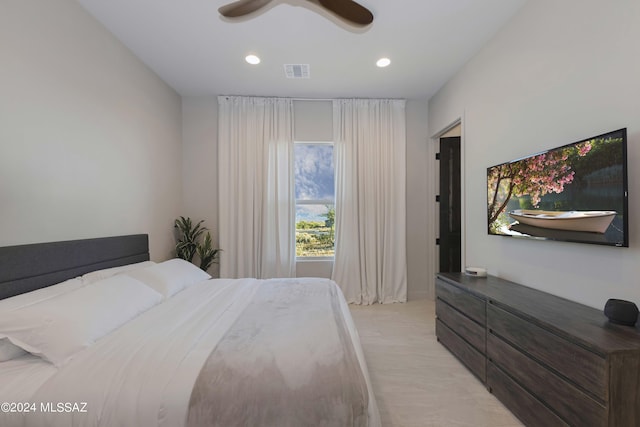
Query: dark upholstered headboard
26, 268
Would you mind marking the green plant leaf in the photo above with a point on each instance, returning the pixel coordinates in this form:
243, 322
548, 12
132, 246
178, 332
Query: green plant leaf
206, 252
187, 240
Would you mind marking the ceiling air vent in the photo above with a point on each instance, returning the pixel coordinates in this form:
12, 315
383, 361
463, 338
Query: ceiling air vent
297, 71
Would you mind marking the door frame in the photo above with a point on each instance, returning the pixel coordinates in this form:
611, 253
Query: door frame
435, 144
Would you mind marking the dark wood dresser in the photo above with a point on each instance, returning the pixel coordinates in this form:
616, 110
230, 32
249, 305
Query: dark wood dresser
551, 361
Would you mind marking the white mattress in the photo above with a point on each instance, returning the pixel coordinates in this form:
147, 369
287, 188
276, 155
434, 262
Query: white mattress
145, 370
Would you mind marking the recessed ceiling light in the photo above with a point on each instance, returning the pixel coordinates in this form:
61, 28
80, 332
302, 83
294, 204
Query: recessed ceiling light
252, 59
383, 62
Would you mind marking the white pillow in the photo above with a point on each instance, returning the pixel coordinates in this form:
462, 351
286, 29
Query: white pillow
9, 351
170, 277
59, 327
94, 276
38, 295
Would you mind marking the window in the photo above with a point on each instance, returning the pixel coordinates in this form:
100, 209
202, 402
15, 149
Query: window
315, 199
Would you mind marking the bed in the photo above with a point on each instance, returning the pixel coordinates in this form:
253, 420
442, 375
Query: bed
101, 336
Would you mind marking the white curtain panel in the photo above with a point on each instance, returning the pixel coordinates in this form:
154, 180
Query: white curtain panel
370, 165
256, 198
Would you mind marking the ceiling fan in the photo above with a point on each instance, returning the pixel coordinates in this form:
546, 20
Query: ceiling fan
348, 10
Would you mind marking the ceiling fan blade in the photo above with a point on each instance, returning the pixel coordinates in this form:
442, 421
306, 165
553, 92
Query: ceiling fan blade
242, 7
349, 10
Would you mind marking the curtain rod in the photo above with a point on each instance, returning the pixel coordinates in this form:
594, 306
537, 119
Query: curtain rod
307, 99
338, 99
283, 97
348, 97
312, 99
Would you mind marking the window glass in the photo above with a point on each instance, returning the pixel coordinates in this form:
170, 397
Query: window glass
314, 171
315, 209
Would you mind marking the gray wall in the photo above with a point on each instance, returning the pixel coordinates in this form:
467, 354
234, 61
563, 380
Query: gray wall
90, 138
420, 201
557, 73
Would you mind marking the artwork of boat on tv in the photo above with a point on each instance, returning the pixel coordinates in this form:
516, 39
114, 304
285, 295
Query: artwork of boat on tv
577, 193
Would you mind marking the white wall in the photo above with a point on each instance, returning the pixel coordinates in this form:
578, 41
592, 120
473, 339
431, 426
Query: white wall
557, 73
313, 122
90, 138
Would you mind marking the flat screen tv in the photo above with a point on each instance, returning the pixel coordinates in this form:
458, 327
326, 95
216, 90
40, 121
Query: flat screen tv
575, 193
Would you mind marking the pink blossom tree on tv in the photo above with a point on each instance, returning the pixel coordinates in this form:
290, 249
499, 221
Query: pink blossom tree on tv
534, 177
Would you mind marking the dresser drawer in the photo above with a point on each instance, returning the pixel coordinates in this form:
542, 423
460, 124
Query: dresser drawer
586, 369
527, 408
467, 303
469, 356
571, 404
472, 332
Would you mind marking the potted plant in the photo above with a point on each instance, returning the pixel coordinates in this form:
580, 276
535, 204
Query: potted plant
188, 244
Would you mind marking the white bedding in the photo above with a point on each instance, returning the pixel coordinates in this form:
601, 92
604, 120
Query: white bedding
21, 378
142, 373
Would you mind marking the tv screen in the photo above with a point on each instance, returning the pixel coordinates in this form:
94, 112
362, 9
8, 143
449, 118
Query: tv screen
575, 193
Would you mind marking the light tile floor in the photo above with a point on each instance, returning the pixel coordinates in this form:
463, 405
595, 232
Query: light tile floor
417, 382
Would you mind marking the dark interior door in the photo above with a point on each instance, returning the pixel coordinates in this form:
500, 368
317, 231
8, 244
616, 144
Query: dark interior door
450, 240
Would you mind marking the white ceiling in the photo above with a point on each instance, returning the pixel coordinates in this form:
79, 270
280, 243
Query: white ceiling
197, 52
